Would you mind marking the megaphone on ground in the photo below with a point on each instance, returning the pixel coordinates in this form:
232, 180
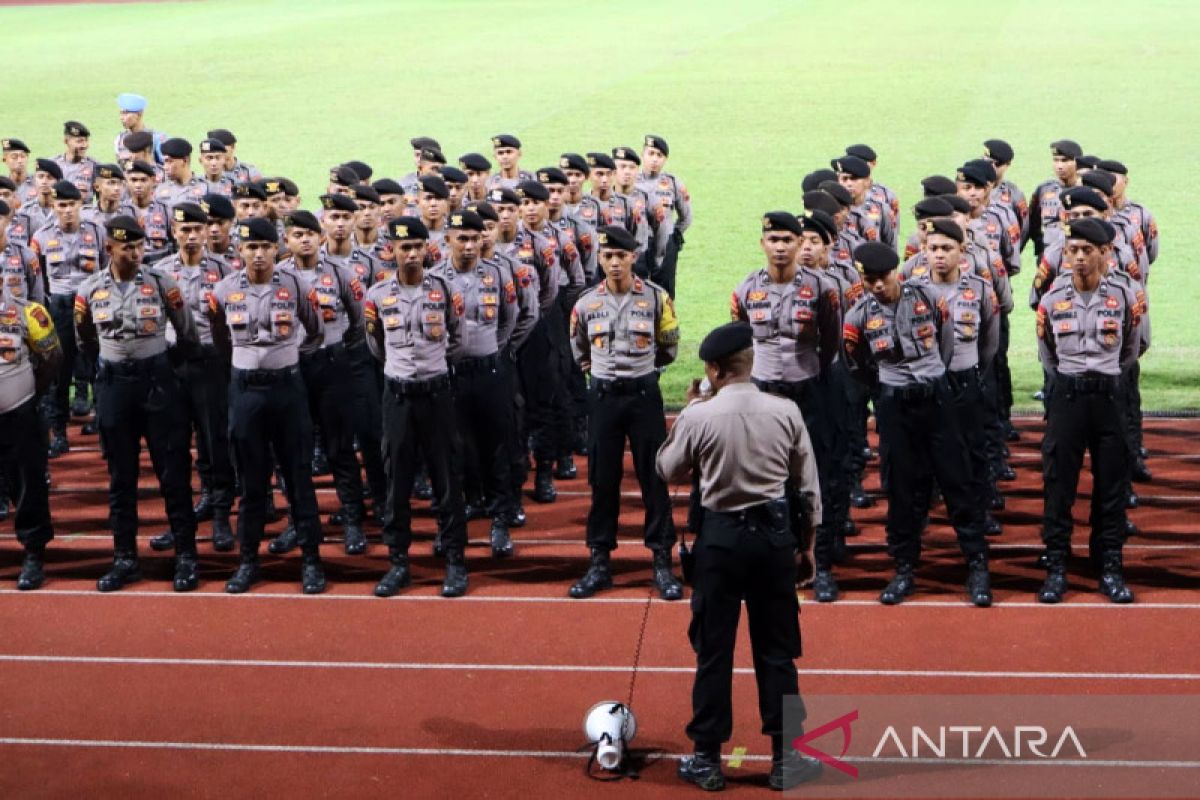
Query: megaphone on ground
610, 725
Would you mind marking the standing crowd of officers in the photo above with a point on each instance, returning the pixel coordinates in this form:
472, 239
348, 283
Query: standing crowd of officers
444, 335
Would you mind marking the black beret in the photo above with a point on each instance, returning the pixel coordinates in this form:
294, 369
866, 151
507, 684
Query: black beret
338, 202
986, 168
960, 204
453, 175
838, 192
1087, 162
998, 150
1113, 166
626, 154
253, 189
124, 228
217, 206
305, 220
270, 186
863, 151
7, 183
532, 190
73, 128
109, 171
435, 186
406, 228
1100, 180
851, 165
614, 237
143, 167
813, 180
506, 140
658, 143
820, 223
189, 212
363, 191
65, 190
1066, 148
875, 258
258, 230
973, 174
485, 211
289, 187
821, 201
552, 175
387, 186
938, 184
5, 209
946, 227
138, 141
421, 142
724, 341
433, 155
362, 169
782, 222
14, 146
501, 195
222, 135
176, 148
465, 221
600, 161
573, 161
932, 207
343, 176
1082, 196
49, 167
211, 146
1090, 229
474, 162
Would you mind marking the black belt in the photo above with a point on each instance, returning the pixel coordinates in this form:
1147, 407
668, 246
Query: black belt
963, 377
751, 513
263, 377
470, 366
207, 352
625, 385
409, 388
908, 394
790, 389
330, 352
132, 367
1086, 384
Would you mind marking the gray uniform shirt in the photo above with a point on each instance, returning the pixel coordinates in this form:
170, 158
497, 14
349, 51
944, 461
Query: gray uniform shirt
339, 296
21, 271
127, 320
196, 283
81, 173
489, 306
263, 322
1098, 334
415, 331
624, 335
26, 331
525, 284
901, 344
745, 446
973, 316
670, 203
797, 325
169, 192
69, 258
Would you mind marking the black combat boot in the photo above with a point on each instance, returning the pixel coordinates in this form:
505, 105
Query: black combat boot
397, 576
455, 584
596, 578
902, 584
543, 484
203, 508
565, 469
32, 571
703, 769
187, 572
245, 577
789, 768
669, 587
355, 542
1055, 585
502, 546
859, 497
222, 534
285, 542
312, 576
979, 582
1112, 579
125, 570
825, 588
163, 542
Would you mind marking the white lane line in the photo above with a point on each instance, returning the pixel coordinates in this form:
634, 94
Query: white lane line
215, 592
584, 668
554, 754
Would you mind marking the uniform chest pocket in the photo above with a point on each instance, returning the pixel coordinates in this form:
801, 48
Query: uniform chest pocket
925, 336
103, 313
88, 257
762, 322
804, 311
1108, 330
56, 258
488, 305
395, 332
641, 335
148, 316
966, 323
283, 323
241, 326
328, 302
600, 332
1066, 326
433, 321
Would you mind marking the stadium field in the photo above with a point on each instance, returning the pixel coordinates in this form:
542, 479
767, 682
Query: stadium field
750, 95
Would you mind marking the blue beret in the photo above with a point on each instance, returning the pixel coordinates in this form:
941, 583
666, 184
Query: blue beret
131, 102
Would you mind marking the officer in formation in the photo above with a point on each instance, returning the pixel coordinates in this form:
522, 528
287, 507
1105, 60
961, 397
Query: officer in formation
745, 547
671, 207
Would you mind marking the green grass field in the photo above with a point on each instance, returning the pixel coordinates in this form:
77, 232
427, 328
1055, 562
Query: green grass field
750, 95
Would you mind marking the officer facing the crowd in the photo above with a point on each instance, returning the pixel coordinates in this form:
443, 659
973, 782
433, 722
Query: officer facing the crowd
257, 314
622, 332
414, 326
900, 340
121, 314
29, 360
746, 548
1087, 327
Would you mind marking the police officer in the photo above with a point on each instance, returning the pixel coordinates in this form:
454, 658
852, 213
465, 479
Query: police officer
478, 169
507, 150
671, 205
221, 216
140, 146
622, 332
121, 315
1005, 192
256, 313
871, 219
38, 210
326, 368
583, 205
29, 356
884, 197
745, 549
16, 159
203, 374
794, 313
132, 113
1087, 326
1045, 209
212, 161
646, 222
414, 325
110, 194
179, 183
899, 339
70, 249
154, 217
481, 383
20, 268
77, 166
237, 170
